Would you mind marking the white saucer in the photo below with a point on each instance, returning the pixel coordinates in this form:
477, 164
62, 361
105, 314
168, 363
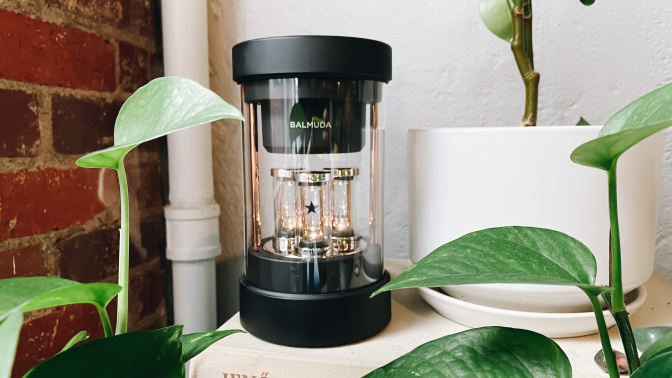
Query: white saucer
554, 325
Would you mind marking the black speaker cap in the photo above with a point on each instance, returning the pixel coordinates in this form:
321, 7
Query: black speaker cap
316, 56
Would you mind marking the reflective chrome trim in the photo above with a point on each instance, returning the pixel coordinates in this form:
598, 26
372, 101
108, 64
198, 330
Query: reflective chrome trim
345, 173
282, 173
345, 244
312, 177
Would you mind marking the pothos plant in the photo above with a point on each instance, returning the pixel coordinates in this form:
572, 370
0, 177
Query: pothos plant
163, 106
511, 20
542, 256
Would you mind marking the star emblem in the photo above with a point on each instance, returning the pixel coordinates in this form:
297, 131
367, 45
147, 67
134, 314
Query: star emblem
311, 208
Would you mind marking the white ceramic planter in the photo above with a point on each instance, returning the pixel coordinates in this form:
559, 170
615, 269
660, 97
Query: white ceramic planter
466, 179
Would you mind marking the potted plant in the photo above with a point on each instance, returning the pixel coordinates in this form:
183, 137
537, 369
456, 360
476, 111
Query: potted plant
480, 177
163, 106
533, 255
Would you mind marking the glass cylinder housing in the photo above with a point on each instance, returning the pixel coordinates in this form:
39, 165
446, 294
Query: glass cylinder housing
314, 177
313, 156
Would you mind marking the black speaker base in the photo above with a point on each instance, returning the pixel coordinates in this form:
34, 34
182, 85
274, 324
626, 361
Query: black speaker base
314, 320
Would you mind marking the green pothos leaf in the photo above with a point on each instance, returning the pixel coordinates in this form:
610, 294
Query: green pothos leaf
651, 109
505, 255
23, 294
78, 338
195, 343
640, 119
34, 293
646, 336
110, 157
10, 327
18, 292
98, 294
659, 366
660, 346
155, 353
582, 122
163, 106
496, 15
499, 351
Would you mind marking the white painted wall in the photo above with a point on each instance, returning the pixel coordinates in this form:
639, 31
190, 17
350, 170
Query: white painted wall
448, 70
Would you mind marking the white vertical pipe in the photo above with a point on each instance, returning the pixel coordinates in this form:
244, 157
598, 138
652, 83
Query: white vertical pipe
192, 217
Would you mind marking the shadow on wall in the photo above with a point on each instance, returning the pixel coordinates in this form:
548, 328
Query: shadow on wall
228, 273
225, 30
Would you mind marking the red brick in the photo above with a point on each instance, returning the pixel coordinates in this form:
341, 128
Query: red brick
94, 256
99, 10
44, 53
151, 147
82, 125
145, 185
51, 199
153, 243
138, 15
135, 66
22, 262
19, 125
43, 337
145, 297
89, 257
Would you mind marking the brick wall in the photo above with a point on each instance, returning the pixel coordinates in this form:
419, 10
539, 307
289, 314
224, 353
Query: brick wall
66, 66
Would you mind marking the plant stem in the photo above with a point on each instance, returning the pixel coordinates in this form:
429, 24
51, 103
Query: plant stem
629, 344
122, 303
615, 276
521, 46
527, 31
105, 320
604, 337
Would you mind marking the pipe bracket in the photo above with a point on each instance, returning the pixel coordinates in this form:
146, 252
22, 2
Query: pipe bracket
192, 233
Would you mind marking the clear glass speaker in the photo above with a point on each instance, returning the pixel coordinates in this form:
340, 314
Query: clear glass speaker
313, 144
